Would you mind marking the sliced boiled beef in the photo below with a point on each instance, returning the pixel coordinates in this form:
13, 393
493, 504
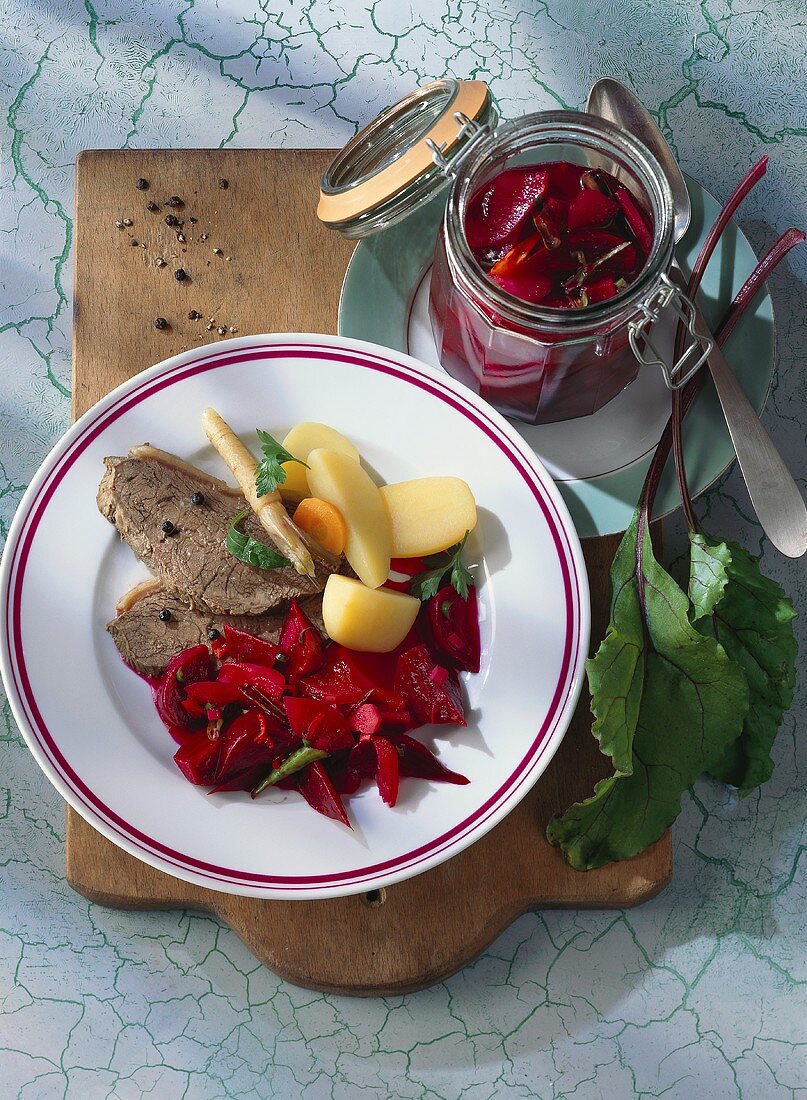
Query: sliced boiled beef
148, 490
147, 643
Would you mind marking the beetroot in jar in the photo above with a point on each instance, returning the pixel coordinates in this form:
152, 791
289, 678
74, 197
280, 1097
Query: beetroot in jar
541, 266
555, 243
560, 235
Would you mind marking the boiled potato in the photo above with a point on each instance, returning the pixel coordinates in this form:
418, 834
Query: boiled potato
301, 441
342, 481
371, 620
428, 515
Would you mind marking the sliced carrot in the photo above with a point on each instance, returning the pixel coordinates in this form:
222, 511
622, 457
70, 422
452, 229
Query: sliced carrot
323, 522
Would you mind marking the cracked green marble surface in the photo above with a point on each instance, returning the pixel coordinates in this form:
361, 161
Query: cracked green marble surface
699, 993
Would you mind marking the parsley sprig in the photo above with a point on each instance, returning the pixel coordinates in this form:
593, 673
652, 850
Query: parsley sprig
427, 584
270, 473
250, 550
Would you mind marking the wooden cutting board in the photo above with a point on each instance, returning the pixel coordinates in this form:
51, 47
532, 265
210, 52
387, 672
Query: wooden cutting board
277, 269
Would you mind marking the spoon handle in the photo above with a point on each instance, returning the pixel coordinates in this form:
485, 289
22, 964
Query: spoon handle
774, 494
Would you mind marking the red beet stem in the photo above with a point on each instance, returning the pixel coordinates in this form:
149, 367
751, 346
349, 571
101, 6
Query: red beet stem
744, 187
748, 291
743, 299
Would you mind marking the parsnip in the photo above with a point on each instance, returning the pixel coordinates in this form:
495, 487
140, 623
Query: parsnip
269, 508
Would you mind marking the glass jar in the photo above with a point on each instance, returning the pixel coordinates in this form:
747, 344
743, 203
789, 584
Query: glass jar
531, 362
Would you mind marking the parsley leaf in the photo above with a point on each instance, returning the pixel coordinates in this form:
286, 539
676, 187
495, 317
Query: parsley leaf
270, 473
249, 550
427, 584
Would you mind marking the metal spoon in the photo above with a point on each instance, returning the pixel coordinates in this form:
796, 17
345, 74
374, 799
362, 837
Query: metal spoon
774, 494
613, 101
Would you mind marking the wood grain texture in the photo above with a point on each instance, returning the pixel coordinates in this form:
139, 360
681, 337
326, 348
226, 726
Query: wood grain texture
284, 274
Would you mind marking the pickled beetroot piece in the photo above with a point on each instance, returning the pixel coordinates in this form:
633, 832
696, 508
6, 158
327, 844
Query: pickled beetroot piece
498, 210
366, 720
241, 674
534, 276
596, 243
591, 208
387, 773
319, 725
301, 644
564, 180
419, 762
369, 719
347, 678
198, 759
602, 289
340, 682
315, 785
212, 693
635, 219
240, 646
249, 741
432, 692
582, 225
188, 667
454, 629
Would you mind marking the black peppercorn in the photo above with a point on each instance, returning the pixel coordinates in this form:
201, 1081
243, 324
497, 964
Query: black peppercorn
168, 527
165, 615
175, 202
213, 634
224, 184
152, 206
142, 185
134, 243
180, 274
198, 498
172, 220
160, 322
194, 315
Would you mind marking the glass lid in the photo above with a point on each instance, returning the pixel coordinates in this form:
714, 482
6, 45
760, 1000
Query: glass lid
400, 158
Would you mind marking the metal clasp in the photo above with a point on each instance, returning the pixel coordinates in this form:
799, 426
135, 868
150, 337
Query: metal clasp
669, 296
478, 131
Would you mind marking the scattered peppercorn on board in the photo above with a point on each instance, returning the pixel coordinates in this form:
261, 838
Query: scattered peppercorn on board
225, 241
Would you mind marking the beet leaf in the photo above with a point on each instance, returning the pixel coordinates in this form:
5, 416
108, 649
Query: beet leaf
668, 703
683, 684
752, 618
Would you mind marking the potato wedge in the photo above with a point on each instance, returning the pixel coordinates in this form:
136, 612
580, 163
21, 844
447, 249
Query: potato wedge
342, 481
371, 620
301, 441
428, 514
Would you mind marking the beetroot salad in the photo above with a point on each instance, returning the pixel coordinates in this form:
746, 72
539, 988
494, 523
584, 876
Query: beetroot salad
312, 716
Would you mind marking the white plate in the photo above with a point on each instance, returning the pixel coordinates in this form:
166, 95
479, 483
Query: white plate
90, 722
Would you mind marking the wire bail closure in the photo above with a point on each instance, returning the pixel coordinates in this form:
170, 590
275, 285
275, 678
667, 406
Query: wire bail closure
669, 296
468, 127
